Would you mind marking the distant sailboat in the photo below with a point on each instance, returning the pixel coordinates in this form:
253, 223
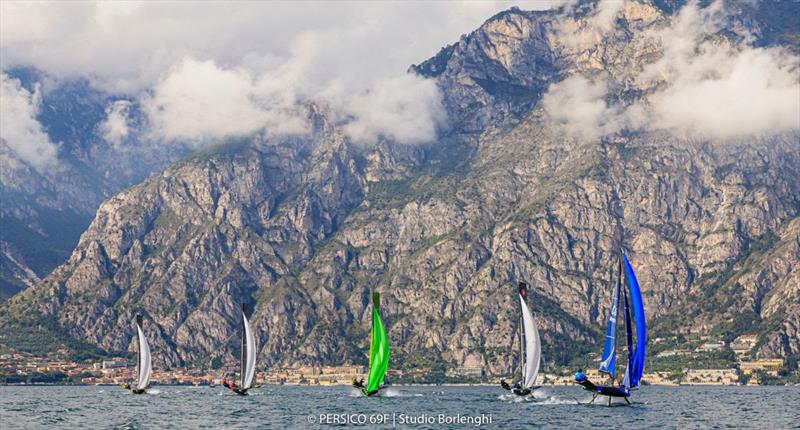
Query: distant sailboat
144, 367
247, 360
530, 348
378, 352
633, 309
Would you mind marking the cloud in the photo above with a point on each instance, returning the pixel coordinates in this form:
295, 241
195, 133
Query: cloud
711, 87
198, 101
703, 85
169, 55
405, 109
19, 128
116, 126
723, 94
580, 106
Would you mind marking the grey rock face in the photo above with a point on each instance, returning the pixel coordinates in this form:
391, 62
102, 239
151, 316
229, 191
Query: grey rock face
302, 229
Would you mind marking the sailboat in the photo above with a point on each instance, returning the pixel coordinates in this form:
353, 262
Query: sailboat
378, 352
530, 348
247, 361
144, 367
633, 310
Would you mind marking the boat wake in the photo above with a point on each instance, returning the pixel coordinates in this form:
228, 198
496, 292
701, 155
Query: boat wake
540, 397
394, 392
153, 391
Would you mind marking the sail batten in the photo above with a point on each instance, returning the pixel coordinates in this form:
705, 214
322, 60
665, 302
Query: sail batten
144, 361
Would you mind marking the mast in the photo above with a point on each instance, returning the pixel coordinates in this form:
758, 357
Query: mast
138, 349
243, 352
523, 292
521, 350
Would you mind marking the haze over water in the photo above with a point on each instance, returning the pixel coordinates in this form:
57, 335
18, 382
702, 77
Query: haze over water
303, 407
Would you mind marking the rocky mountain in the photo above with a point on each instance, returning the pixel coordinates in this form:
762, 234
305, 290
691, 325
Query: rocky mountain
45, 210
303, 228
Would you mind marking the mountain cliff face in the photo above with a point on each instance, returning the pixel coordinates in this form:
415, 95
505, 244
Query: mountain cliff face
302, 229
45, 210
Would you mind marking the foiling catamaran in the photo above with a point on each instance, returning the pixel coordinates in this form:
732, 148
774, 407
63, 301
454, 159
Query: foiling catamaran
144, 367
247, 361
378, 353
530, 348
634, 366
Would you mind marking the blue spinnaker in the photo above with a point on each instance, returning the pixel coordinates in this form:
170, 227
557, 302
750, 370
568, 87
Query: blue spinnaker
637, 362
608, 360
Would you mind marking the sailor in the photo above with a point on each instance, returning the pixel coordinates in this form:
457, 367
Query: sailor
358, 384
229, 385
504, 384
126, 385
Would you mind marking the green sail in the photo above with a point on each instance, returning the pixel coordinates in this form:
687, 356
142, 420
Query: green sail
378, 350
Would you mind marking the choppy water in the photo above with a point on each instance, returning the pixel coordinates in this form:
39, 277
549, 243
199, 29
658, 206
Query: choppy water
305, 407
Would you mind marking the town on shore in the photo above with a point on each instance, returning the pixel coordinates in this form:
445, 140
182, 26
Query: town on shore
703, 360
16, 369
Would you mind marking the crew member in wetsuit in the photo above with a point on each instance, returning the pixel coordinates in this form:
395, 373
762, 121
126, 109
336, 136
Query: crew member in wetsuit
358, 384
504, 384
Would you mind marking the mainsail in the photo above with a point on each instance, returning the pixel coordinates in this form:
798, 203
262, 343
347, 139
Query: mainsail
143, 363
608, 360
378, 350
530, 336
248, 355
637, 355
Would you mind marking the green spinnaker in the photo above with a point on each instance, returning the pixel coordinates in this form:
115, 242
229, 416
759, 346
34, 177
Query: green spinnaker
378, 350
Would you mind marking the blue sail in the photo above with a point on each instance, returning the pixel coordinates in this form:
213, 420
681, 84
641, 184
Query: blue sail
608, 360
626, 380
637, 361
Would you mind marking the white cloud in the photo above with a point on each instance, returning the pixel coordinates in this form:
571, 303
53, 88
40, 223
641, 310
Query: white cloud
727, 94
271, 53
702, 86
18, 125
198, 101
405, 109
579, 105
710, 88
116, 126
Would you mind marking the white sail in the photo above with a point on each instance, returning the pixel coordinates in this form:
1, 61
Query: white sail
144, 364
533, 347
248, 355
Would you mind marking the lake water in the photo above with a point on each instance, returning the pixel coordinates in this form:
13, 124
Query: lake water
107, 407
